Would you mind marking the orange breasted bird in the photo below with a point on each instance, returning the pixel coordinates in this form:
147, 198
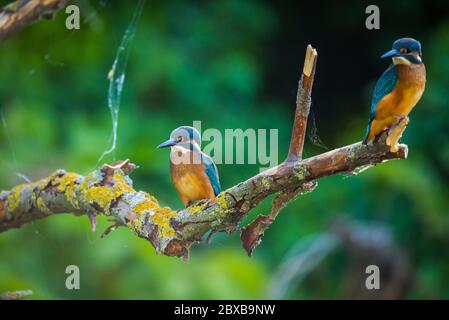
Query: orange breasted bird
193, 172
399, 88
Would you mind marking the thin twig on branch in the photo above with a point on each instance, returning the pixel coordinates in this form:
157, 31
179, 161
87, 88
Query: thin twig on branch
20, 13
252, 234
109, 191
303, 102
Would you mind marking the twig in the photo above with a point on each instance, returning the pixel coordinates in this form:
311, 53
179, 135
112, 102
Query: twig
20, 13
303, 102
252, 234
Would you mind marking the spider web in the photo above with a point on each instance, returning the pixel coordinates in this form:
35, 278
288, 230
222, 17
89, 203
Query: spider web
313, 132
117, 77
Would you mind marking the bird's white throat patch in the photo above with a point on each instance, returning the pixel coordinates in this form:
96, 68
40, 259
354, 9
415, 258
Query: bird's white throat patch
181, 155
401, 60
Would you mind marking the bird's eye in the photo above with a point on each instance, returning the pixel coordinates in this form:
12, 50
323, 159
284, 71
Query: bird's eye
179, 139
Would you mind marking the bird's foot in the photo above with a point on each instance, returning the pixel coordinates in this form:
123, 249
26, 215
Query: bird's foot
399, 117
395, 132
380, 135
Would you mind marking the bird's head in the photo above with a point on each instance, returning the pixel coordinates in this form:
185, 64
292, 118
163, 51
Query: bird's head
185, 136
405, 51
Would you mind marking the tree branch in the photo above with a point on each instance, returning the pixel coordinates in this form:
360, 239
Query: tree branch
109, 191
20, 13
303, 102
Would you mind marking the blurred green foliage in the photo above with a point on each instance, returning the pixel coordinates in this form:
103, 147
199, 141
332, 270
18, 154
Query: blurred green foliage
230, 64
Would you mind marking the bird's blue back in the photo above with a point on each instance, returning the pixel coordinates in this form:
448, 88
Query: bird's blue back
384, 86
212, 174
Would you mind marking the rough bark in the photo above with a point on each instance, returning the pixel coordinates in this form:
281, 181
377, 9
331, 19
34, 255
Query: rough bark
109, 191
303, 102
21, 13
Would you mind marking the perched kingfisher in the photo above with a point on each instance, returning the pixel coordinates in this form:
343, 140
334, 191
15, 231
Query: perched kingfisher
399, 88
193, 172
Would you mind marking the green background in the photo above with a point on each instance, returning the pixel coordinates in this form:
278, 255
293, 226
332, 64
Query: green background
231, 64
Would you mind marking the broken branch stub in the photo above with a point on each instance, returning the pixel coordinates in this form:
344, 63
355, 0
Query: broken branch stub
252, 234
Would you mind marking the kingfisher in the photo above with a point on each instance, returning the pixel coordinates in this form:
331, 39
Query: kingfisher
193, 172
398, 89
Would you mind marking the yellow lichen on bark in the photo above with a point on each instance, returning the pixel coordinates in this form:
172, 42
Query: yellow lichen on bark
265, 183
144, 206
222, 201
120, 185
103, 194
67, 184
198, 207
42, 206
158, 216
161, 218
14, 197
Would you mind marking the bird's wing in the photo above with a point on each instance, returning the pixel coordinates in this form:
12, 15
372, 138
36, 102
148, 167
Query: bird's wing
384, 86
212, 173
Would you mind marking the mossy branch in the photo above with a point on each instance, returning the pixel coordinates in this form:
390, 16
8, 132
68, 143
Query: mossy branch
18, 14
109, 191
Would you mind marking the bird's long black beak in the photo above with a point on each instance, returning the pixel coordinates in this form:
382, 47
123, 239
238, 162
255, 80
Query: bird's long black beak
168, 143
391, 53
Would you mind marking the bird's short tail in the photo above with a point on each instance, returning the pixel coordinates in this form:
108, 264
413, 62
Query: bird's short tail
366, 138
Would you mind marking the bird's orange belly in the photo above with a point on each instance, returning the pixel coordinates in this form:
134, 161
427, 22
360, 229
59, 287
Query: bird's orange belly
400, 102
410, 98
191, 183
190, 188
